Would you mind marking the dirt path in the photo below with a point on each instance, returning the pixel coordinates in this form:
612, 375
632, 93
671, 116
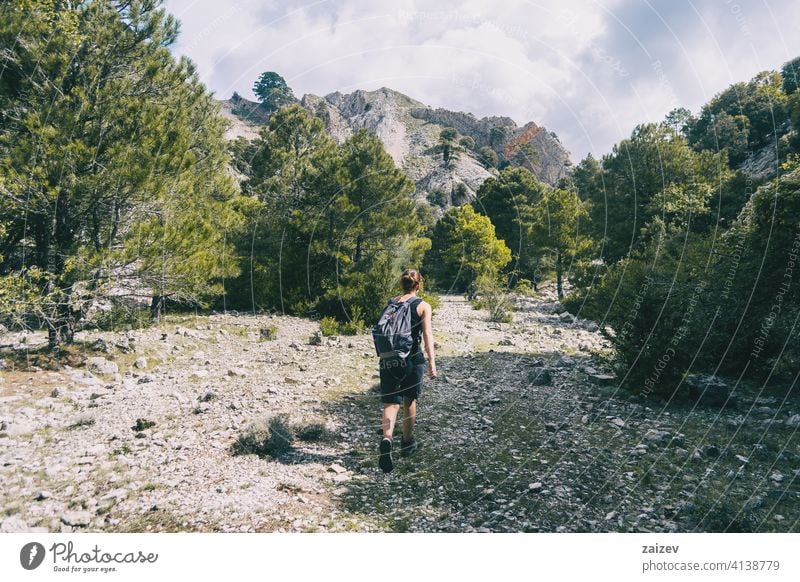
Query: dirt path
521, 432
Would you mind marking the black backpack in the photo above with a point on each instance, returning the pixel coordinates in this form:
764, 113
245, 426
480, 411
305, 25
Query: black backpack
392, 333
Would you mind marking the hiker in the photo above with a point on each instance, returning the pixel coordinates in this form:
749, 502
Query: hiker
401, 377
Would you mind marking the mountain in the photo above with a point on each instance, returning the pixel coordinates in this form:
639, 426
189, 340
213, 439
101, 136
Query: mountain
410, 132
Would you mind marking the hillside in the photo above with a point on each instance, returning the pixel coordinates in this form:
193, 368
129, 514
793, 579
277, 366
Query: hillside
521, 432
410, 132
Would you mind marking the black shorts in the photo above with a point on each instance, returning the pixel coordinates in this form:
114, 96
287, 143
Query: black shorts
398, 383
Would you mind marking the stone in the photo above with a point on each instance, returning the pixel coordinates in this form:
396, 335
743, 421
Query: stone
77, 518
505, 342
42, 495
237, 373
16, 429
654, 435
603, 379
14, 525
103, 366
710, 391
616, 421
540, 377
566, 316
793, 421
146, 379
535, 486
316, 339
337, 468
55, 393
140, 363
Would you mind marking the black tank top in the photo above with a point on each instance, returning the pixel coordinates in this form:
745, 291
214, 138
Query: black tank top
416, 356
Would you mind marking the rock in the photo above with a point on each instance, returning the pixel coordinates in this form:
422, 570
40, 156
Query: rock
237, 373
540, 377
337, 468
140, 363
208, 396
709, 391
100, 345
566, 316
77, 518
123, 344
505, 342
657, 435
711, 451
793, 421
603, 379
616, 421
55, 393
316, 339
610, 515
16, 429
103, 366
146, 379
592, 327
42, 495
776, 476
535, 486
14, 525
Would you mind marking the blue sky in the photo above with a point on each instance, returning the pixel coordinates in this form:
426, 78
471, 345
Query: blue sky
589, 71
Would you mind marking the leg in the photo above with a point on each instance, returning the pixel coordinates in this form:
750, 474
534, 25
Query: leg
409, 414
389, 417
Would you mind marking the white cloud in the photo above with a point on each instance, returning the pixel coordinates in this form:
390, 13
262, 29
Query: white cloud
588, 71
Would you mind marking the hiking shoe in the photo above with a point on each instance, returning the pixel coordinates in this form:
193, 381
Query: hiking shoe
385, 461
408, 448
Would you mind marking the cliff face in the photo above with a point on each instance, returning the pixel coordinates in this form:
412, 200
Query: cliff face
410, 133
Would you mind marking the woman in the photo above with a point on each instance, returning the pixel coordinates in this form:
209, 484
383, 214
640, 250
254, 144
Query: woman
405, 387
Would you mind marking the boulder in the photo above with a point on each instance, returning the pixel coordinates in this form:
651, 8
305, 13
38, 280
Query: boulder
103, 366
540, 377
710, 391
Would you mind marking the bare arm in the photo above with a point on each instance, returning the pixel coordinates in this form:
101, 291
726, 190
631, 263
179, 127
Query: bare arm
427, 336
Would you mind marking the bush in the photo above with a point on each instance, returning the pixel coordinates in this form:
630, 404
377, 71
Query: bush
122, 317
524, 287
268, 333
266, 436
355, 323
432, 298
487, 293
329, 326
313, 430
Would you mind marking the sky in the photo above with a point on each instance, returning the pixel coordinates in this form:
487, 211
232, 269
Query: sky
589, 71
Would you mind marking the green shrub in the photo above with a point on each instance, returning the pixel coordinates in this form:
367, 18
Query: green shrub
432, 298
524, 287
355, 323
265, 436
268, 333
329, 326
122, 317
487, 293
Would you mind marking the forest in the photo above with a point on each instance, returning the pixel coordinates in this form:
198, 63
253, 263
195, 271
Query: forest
116, 186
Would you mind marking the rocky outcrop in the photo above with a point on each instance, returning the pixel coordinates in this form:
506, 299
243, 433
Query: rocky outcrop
410, 132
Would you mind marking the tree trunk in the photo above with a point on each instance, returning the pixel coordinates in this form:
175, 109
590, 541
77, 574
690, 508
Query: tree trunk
558, 275
156, 305
359, 240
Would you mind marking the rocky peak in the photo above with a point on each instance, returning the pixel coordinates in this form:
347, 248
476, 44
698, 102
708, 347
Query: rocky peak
410, 133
